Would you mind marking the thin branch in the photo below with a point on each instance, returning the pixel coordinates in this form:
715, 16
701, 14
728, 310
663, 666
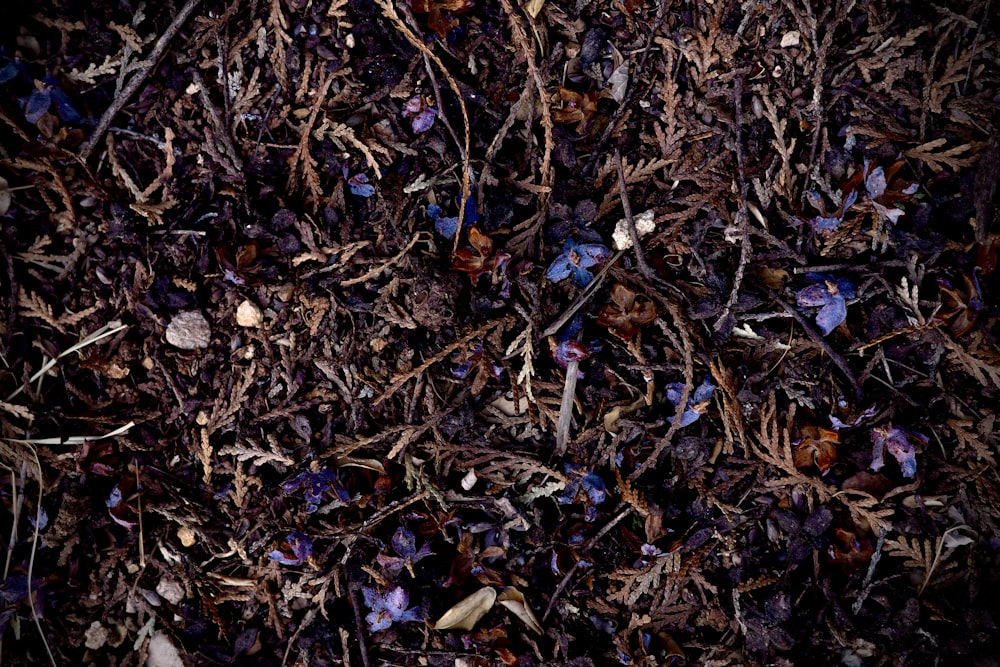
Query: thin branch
130, 89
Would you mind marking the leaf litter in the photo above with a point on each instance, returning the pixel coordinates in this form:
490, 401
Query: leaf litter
272, 324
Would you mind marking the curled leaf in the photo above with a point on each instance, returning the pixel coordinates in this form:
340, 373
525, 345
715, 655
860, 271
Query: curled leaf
465, 614
513, 600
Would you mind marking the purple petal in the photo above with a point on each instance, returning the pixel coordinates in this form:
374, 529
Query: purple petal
911, 189
892, 214
831, 315
813, 295
821, 224
687, 418
594, 486
674, 392
424, 120
404, 542
36, 106
446, 227
704, 392
378, 620
874, 182
360, 187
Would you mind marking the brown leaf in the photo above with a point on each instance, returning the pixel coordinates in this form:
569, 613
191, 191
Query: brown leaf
576, 108
465, 614
816, 448
514, 601
625, 316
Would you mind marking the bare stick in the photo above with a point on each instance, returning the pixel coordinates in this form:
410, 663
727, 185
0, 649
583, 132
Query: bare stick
139, 77
566, 408
838, 360
742, 217
640, 257
584, 296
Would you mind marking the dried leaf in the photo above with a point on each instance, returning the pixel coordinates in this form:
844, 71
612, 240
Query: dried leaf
513, 600
465, 614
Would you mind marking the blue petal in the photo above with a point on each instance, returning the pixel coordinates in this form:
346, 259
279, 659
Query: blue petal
592, 254
704, 392
831, 315
36, 106
813, 295
446, 227
560, 269
581, 275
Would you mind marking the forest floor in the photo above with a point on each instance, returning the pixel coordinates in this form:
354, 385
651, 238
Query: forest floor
594, 332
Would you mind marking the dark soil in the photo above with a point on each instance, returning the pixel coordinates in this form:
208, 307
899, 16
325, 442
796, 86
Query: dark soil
319, 318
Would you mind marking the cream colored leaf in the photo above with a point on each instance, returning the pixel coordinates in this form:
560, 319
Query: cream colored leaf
465, 614
514, 601
534, 7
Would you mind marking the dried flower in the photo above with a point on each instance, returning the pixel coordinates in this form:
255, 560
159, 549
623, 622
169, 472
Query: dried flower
565, 347
575, 260
388, 607
405, 544
697, 403
625, 315
817, 447
315, 484
421, 113
294, 550
830, 295
901, 444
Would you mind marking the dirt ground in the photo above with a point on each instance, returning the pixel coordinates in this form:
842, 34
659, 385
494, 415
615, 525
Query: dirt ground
440, 332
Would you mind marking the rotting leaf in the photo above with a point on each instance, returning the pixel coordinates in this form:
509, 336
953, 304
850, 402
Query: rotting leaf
465, 614
514, 601
439, 13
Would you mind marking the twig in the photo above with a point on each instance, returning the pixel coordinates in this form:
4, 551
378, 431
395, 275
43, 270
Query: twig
123, 95
440, 103
382, 267
612, 127
742, 217
588, 292
866, 585
590, 544
389, 11
221, 129
31, 558
838, 360
566, 408
640, 256
352, 591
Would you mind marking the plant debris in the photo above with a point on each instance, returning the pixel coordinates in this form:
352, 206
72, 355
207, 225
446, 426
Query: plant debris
321, 320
